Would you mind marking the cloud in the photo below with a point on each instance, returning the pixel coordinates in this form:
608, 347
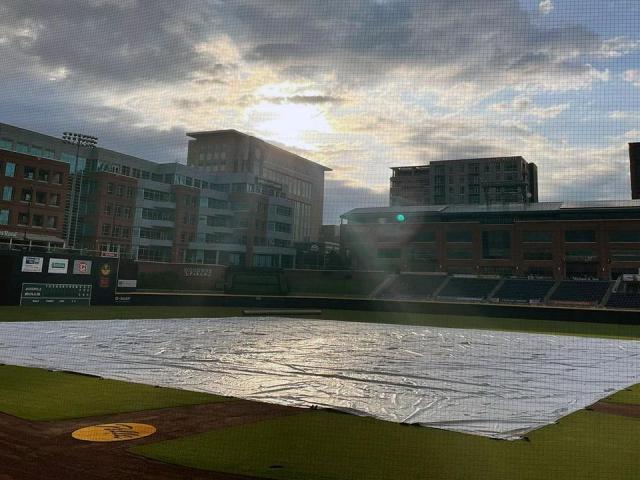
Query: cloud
545, 7
363, 40
306, 99
130, 41
633, 76
525, 105
342, 196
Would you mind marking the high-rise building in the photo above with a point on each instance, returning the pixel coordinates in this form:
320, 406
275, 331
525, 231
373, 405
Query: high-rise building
634, 163
301, 180
466, 181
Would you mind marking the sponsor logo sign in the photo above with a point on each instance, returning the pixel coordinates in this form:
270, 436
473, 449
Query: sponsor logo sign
32, 264
197, 272
8, 234
58, 265
114, 432
127, 283
82, 267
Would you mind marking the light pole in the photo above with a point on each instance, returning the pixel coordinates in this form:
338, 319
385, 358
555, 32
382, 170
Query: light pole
79, 140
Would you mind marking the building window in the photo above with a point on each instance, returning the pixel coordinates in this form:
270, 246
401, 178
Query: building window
37, 220
535, 236
4, 217
626, 255
22, 148
118, 211
130, 192
580, 236
110, 188
6, 144
628, 236
29, 173
459, 236
26, 195
144, 174
538, 255
41, 198
54, 199
120, 190
127, 212
43, 175
52, 222
106, 229
23, 219
496, 244
57, 178
10, 169
108, 208
459, 254
7, 193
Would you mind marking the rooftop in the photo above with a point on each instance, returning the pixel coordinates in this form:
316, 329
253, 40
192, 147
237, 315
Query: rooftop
209, 133
500, 208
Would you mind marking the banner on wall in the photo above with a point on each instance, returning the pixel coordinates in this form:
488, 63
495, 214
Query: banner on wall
32, 264
58, 265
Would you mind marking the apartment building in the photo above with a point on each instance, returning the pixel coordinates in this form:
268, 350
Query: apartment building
33, 194
466, 181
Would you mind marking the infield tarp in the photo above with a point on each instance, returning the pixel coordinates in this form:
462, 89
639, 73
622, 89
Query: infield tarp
494, 384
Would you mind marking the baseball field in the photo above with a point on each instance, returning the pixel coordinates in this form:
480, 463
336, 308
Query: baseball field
207, 436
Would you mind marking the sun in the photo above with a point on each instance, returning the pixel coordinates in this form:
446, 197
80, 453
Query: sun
294, 124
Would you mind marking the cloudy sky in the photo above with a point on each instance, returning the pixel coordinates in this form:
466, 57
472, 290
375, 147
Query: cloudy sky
358, 85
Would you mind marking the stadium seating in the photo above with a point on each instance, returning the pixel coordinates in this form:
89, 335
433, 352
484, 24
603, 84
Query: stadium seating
624, 300
418, 287
523, 290
468, 288
580, 291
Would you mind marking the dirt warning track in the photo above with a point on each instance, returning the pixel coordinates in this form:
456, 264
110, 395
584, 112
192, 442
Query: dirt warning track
39, 450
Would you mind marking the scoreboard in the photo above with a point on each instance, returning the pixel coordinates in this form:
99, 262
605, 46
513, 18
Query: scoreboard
55, 294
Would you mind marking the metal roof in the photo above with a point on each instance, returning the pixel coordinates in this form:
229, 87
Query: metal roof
497, 208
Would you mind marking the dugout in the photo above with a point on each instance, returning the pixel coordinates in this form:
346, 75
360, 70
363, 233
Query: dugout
45, 278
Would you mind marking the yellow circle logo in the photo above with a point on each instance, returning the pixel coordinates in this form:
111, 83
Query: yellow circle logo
114, 432
105, 270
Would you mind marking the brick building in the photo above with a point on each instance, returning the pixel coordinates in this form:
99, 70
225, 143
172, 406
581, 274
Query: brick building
466, 181
555, 240
33, 197
634, 164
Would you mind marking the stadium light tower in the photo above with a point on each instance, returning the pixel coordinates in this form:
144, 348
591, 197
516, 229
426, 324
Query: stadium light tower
79, 140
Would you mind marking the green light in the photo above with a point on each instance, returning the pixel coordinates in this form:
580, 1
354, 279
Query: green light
400, 217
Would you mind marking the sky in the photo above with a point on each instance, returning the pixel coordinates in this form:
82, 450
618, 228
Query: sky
358, 85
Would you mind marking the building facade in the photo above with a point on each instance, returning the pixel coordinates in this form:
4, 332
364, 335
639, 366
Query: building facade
33, 197
554, 240
166, 212
301, 180
634, 164
466, 181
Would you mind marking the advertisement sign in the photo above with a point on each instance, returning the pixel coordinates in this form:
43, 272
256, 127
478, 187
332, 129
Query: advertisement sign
58, 265
82, 267
32, 264
127, 283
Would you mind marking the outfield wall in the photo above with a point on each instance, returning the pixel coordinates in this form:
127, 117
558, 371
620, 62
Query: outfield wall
626, 317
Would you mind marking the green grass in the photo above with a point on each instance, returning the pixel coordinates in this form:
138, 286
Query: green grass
629, 395
35, 394
399, 318
332, 446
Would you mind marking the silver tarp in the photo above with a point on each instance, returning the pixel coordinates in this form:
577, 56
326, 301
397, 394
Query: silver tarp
494, 384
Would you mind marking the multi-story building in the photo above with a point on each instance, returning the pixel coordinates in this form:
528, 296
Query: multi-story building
634, 163
167, 212
466, 181
301, 180
558, 240
33, 195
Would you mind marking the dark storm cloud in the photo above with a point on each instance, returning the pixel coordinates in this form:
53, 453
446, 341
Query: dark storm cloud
125, 41
479, 40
